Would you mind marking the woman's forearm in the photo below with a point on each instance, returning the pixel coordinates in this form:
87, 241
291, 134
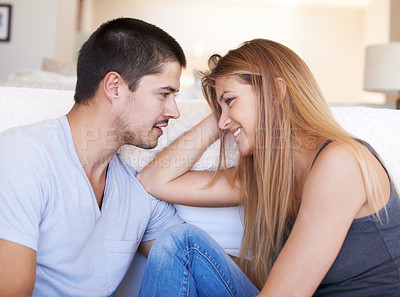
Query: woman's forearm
180, 156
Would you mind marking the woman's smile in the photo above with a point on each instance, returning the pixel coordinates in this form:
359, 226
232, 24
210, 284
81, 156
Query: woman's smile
238, 111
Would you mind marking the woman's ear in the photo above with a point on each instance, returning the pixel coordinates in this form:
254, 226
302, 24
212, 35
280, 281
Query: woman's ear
282, 86
112, 82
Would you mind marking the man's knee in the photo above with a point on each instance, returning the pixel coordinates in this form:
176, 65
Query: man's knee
177, 238
186, 231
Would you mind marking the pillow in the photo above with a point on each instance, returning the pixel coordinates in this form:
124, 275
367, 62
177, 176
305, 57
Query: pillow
64, 68
23, 106
35, 78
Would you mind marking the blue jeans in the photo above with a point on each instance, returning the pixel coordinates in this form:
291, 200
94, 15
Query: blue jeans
186, 261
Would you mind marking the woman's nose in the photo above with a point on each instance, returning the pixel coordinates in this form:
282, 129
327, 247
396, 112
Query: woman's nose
224, 121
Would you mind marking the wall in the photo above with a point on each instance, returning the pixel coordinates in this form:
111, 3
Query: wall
330, 39
376, 31
40, 28
382, 25
376, 24
395, 20
66, 30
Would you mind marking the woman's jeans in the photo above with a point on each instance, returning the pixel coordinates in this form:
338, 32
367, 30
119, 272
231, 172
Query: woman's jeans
186, 261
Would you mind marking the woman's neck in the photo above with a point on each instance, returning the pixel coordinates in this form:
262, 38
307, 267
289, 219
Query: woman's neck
304, 155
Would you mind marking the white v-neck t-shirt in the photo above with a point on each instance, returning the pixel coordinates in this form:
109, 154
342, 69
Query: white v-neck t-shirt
48, 204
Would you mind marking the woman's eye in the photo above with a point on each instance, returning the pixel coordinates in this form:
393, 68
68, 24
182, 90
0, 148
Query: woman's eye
229, 100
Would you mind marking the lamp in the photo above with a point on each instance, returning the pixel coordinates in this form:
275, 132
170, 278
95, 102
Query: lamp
382, 69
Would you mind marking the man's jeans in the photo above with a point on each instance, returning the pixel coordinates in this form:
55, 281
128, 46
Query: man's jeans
186, 261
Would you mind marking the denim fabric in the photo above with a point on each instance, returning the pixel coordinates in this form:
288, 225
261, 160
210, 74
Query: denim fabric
186, 261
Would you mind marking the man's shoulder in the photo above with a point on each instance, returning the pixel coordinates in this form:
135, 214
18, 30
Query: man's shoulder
122, 166
124, 176
29, 140
32, 130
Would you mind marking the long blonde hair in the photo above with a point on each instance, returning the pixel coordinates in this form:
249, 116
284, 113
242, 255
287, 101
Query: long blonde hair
267, 177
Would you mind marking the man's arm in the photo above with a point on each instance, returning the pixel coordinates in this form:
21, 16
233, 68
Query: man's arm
17, 269
144, 247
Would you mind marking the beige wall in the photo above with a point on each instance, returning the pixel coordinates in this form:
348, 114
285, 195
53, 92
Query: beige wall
395, 20
330, 39
382, 25
42, 28
66, 30
377, 20
376, 31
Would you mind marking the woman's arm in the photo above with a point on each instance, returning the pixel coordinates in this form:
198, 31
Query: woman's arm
332, 198
168, 176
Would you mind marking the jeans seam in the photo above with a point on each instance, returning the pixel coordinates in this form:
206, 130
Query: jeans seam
209, 259
187, 284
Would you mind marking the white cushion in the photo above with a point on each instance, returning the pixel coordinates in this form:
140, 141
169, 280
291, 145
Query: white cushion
22, 106
377, 126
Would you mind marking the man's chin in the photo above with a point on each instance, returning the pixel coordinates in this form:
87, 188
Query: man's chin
147, 145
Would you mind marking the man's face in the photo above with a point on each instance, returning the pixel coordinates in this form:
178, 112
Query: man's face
148, 109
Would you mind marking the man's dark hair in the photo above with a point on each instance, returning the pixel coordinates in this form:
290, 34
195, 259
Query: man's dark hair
131, 47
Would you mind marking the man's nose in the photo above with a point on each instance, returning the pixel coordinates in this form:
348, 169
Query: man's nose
171, 109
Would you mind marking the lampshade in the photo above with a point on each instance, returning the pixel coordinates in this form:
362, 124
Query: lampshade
382, 68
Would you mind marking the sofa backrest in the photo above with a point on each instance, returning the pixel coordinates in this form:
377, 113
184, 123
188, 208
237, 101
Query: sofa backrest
378, 126
22, 106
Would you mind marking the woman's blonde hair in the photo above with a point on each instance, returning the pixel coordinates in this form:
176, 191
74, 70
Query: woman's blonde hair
267, 177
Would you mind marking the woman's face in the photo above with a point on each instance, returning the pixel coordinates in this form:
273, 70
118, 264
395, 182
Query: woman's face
238, 111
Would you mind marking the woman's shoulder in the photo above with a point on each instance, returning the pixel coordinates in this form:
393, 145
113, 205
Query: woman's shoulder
340, 172
335, 154
335, 175
350, 155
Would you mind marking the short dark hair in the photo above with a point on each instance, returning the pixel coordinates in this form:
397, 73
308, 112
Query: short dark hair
129, 46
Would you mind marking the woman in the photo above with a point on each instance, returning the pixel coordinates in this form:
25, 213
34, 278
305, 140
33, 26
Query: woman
320, 211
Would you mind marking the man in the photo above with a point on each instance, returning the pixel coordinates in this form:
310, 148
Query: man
72, 213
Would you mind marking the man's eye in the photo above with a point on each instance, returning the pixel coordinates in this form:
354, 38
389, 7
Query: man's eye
165, 95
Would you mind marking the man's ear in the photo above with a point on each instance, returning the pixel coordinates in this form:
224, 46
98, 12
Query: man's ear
282, 86
111, 83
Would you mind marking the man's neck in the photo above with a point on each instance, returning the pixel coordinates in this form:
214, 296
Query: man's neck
92, 134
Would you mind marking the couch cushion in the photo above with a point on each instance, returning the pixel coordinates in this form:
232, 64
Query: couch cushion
377, 126
22, 106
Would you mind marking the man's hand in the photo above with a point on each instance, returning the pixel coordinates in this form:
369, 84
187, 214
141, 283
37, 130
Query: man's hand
17, 269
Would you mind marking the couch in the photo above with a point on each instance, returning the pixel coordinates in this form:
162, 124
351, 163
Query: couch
378, 126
